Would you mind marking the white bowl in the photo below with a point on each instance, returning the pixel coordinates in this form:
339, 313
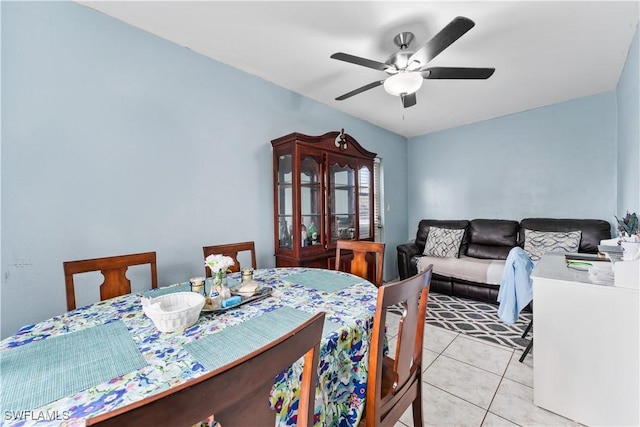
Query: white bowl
173, 312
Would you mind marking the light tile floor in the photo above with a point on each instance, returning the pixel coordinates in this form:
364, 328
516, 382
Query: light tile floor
471, 382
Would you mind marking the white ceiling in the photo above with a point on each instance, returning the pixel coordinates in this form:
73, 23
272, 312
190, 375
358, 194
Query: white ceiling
544, 52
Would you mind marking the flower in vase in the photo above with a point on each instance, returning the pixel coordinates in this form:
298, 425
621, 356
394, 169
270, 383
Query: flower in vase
218, 263
628, 226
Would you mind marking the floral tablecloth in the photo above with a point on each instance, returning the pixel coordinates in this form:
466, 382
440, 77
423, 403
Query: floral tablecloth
342, 363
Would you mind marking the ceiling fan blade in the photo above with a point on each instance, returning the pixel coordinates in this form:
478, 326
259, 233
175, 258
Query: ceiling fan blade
408, 100
360, 90
361, 61
449, 34
457, 73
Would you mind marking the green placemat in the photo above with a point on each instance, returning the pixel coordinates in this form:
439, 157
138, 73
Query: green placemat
47, 370
237, 341
323, 280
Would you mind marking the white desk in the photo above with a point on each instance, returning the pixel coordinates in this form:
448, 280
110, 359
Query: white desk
586, 346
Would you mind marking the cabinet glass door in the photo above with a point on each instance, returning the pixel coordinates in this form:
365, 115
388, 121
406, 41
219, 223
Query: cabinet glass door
364, 202
285, 201
310, 202
342, 198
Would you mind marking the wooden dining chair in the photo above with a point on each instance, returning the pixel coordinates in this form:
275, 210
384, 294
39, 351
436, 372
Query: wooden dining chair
231, 250
236, 394
114, 270
395, 383
359, 264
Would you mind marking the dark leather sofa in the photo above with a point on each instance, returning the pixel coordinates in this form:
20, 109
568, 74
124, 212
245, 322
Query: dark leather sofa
490, 239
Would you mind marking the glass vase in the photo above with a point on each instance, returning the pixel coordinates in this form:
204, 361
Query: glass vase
219, 280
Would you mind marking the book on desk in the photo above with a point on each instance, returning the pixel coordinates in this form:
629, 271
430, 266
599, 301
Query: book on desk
612, 252
571, 256
582, 262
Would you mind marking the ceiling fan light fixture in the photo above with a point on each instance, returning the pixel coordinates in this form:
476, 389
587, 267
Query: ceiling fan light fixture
407, 82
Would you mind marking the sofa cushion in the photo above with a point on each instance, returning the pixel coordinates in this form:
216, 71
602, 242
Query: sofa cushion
537, 243
492, 238
423, 229
443, 242
593, 230
465, 268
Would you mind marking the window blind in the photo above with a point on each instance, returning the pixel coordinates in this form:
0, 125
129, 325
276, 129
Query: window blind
377, 201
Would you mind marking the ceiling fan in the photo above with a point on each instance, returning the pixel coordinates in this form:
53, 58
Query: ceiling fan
406, 70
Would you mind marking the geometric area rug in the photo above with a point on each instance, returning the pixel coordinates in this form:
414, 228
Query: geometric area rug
476, 319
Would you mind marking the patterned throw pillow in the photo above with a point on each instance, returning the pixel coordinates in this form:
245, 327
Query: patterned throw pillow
537, 243
443, 242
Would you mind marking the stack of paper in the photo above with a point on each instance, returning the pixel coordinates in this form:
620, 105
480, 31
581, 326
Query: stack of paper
613, 252
573, 256
601, 273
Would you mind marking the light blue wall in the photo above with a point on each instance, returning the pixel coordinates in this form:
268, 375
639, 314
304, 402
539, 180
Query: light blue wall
628, 97
557, 161
115, 141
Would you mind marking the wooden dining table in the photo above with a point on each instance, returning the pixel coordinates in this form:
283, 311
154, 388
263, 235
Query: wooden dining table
109, 354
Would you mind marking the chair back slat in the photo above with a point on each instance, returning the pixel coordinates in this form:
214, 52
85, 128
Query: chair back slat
362, 250
113, 269
231, 250
237, 393
118, 283
394, 384
406, 342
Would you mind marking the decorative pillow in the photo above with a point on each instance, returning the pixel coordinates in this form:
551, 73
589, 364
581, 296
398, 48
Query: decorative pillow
537, 243
443, 242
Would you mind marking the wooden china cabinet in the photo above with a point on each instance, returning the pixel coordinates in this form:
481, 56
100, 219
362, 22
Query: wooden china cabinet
322, 192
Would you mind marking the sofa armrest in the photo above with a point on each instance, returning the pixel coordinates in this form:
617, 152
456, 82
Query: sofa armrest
406, 251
